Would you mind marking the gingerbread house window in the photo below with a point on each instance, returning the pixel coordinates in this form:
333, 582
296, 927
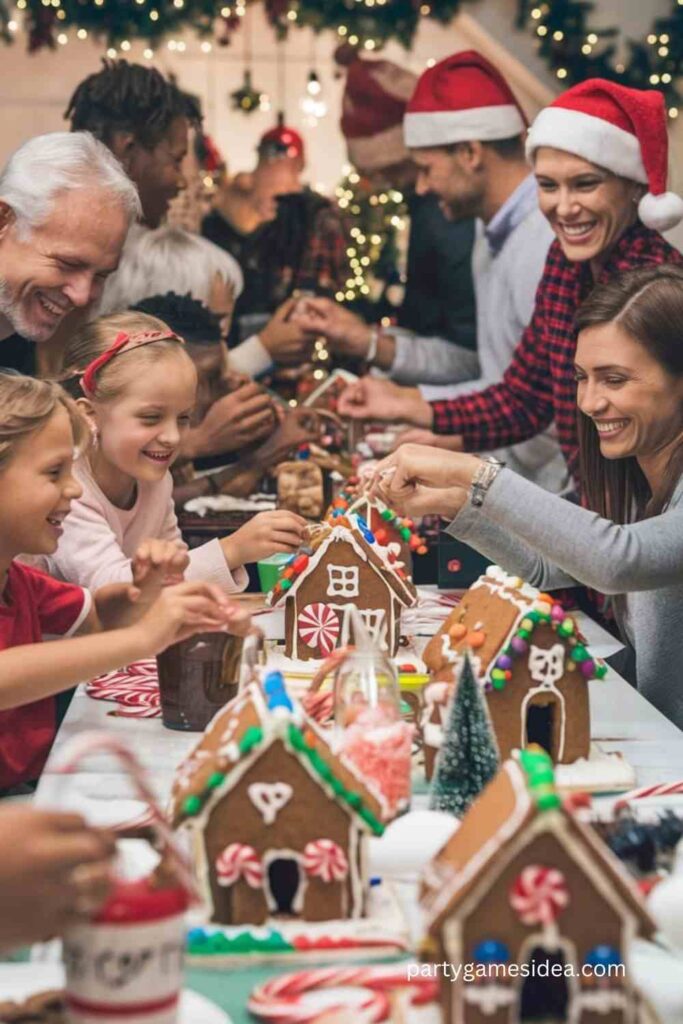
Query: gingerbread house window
374, 622
343, 581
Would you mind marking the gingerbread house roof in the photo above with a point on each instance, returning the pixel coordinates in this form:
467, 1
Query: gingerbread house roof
494, 644
353, 531
337, 377
518, 804
243, 730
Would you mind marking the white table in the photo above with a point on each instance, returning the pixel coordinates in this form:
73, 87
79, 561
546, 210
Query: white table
621, 720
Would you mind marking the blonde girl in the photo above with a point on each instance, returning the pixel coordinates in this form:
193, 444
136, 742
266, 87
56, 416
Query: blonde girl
136, 385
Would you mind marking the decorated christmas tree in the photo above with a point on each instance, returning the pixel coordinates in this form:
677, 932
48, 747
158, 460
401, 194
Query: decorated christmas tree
468, 758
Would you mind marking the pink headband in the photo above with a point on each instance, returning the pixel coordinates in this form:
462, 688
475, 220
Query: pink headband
121, 341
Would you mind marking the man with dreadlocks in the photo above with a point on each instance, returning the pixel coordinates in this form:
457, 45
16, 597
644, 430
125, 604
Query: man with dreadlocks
285, 237
144, 120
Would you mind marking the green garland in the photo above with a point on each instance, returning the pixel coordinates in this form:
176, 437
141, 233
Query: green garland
575, 51
367, 22
363, 22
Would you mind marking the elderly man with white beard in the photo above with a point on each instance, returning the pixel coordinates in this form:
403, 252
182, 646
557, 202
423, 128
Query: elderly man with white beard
65, 208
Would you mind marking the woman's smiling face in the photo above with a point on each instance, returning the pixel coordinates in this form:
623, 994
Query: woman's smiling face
636, 406
587, 207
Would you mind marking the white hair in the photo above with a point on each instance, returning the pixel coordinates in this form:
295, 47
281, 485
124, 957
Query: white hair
58, 162
168, 259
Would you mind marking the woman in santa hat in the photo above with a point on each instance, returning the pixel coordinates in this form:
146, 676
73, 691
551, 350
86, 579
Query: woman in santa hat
599, 153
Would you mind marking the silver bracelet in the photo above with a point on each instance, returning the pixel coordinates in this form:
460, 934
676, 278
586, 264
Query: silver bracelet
372, 345
486, 473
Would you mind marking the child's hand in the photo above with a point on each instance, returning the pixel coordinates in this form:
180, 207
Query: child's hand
265, 534
54, 872
158, 563
188, 608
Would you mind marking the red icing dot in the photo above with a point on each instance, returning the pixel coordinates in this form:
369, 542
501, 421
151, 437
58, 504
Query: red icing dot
454, 565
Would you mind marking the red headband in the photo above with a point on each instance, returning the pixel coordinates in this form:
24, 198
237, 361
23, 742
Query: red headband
120, 342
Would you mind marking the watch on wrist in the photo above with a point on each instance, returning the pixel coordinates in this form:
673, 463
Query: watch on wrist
483, 478
372, 345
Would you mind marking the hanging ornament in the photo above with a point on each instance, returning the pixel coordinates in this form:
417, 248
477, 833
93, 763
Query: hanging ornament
313, 105
247, 98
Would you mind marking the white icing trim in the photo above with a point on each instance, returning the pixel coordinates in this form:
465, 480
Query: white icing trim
269, 797
342, 534
489, 998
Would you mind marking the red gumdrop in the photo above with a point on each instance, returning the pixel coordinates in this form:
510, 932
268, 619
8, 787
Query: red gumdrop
455, 565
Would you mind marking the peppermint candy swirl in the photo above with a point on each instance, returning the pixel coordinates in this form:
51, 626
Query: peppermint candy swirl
238, 860
539, 894
326, 860
318, 627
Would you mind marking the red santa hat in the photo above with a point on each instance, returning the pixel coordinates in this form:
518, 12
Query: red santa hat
462, 99
373, 106
620, 129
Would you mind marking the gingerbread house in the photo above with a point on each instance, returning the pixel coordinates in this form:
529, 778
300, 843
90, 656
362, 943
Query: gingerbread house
278, 821
531, 661
538, 908
339, 567
326, 396
396, 533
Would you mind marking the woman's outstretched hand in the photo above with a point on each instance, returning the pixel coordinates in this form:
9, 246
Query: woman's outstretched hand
420, 480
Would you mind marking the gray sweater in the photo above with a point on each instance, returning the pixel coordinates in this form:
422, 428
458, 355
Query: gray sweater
551, 543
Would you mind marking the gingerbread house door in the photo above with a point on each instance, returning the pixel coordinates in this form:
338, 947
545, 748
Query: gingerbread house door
284, 882
543, 721
547, 994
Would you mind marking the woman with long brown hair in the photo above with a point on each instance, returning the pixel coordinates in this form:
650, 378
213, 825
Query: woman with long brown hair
628, 541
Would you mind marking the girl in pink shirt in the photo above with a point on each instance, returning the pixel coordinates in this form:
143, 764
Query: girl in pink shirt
137, 386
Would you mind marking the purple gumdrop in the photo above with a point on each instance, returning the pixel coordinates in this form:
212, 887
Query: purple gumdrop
588, 668
488, 686
519, 645
504, 661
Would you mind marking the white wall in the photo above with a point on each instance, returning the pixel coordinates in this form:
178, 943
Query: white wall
34, 90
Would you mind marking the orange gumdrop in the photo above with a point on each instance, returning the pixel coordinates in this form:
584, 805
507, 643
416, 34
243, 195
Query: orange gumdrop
457, 630
476, 639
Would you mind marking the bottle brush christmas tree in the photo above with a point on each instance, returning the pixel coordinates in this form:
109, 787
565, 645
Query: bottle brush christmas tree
468, 758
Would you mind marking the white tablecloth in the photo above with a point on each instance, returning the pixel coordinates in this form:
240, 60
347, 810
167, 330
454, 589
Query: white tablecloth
621, 720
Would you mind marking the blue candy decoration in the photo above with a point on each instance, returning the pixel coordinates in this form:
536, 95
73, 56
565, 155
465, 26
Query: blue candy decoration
276, 692
364, 528
491, 951
603, 956
303, 453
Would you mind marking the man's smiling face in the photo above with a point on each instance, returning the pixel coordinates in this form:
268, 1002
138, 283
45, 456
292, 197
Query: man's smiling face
62, 263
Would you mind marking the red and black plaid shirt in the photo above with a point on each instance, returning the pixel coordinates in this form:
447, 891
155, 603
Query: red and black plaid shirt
539, 386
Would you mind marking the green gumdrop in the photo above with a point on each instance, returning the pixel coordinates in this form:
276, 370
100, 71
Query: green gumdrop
548, 801
215, 780
285, 584
192, 805
600, 671
387, 514
498, 684
580, 653
566, 628
523, 634
405, 533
